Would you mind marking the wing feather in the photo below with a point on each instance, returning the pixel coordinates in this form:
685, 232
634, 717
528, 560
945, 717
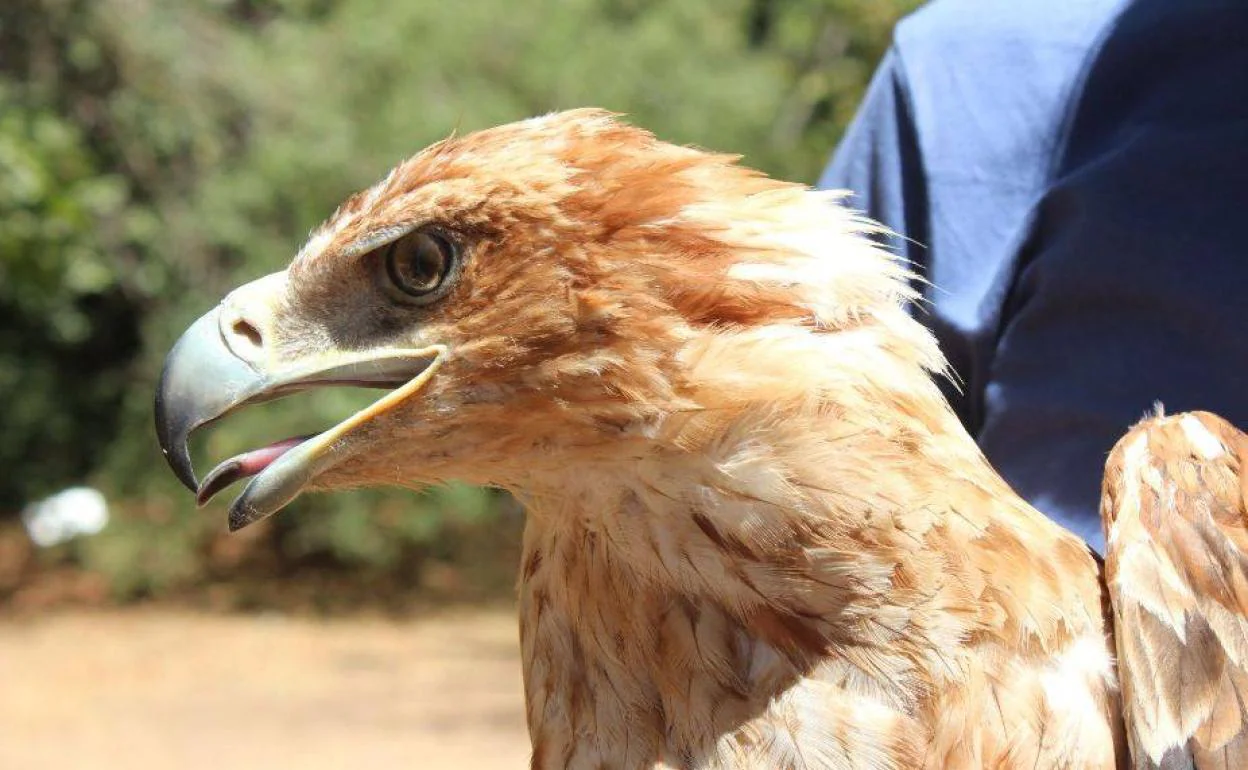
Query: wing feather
1176, 524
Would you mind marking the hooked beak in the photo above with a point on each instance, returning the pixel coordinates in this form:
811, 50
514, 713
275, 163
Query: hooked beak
225, 361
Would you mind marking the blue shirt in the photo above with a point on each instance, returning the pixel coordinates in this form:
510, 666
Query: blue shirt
1071, 178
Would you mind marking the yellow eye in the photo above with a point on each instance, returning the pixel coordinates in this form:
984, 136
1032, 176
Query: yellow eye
419, 263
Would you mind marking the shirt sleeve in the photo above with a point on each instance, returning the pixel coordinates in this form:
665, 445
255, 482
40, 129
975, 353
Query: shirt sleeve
878, 163
1070, 178
1130, 287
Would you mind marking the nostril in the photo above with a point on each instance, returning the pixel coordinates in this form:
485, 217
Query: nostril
247, 333
245, 327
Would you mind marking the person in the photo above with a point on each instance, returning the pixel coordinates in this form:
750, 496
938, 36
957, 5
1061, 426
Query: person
1070, 180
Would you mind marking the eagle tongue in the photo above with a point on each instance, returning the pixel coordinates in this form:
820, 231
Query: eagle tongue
242, 466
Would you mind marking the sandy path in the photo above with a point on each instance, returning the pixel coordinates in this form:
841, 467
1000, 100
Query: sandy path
167, 690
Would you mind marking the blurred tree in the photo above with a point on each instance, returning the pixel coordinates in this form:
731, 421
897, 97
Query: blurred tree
154, 153
830, 48
69, 318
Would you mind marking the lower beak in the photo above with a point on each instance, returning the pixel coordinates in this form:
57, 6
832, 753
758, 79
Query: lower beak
203, 380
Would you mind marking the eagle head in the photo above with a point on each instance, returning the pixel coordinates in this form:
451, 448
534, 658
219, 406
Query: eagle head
536, 297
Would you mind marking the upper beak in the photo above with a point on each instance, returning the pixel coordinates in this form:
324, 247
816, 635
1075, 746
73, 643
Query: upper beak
201, 381
225, 360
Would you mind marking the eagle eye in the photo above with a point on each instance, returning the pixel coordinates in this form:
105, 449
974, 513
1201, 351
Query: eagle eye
418, 265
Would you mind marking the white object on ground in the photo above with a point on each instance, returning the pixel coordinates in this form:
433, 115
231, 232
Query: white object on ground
65, 515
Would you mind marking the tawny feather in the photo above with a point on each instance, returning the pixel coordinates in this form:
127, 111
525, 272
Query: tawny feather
1177, 569
758, 537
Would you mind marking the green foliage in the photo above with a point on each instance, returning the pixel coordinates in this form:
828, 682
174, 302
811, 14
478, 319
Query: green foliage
155, 153
67, 326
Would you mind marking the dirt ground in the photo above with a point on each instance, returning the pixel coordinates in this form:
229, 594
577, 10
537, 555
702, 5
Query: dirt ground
158, 689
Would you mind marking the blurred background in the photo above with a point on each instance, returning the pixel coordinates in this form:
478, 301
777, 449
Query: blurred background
154, 154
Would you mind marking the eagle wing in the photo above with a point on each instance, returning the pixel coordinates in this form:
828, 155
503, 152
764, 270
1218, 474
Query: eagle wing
1173, 507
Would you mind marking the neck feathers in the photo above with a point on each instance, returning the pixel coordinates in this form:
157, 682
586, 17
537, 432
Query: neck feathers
673, 604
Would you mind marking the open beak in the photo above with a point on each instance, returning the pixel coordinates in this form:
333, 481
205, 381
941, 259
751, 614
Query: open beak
209, 374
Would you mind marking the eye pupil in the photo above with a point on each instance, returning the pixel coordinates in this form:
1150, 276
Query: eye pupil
418, 263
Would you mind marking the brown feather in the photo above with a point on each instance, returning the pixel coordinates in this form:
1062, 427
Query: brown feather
758, 537
1177, 567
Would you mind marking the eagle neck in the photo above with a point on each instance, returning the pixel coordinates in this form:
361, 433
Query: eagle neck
671, 600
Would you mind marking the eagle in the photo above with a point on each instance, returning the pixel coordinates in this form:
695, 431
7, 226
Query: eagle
757, 536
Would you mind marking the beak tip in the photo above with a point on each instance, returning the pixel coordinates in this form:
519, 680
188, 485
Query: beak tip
173, 447
172, 434
180, 462
242, 515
